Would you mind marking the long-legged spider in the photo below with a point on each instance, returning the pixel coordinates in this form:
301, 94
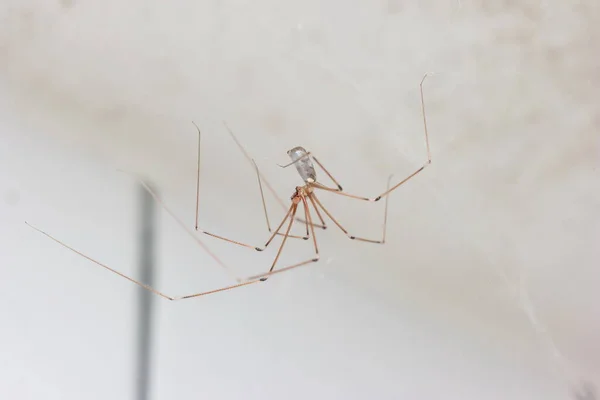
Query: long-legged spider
303, 195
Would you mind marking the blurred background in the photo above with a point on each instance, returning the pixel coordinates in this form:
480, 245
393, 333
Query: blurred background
487, 287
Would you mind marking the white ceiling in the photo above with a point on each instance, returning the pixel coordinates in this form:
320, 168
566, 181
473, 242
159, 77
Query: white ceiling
488, 283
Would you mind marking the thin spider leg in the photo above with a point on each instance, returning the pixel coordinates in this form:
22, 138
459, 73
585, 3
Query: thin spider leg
295, 161
191, 296
243, 150
198, 241
290, 214
320, 186
198, 176
314, 197
353, 237
328, 174
294, 208
385, 212
295, 236
317, 211
180, 223
250, 246
425, 118
265, 275
389, 190
309, 219
147, 287
313, 224
306, 217
256, 247
261, 175
261, 194
259, 185
310, 223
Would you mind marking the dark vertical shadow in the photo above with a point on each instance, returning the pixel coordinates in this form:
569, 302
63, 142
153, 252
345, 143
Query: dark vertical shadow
146, 234
585, 392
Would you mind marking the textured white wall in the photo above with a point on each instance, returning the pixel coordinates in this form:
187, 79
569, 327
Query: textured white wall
487, 288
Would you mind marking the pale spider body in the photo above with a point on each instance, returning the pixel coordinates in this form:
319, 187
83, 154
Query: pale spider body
304, 165
302, 192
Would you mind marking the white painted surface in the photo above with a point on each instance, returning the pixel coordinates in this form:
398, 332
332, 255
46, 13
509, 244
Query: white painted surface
511, 200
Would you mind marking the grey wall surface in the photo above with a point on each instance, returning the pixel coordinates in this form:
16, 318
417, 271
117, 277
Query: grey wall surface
486, 289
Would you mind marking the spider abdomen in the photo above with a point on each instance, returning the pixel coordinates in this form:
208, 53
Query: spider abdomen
303, 163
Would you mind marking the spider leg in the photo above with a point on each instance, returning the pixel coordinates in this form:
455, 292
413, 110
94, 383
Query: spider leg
396, 186
147, 287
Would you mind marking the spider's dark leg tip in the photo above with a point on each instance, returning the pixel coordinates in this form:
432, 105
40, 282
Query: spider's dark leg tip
352, 237
377, 198
315, 259
263, 279
258, 249
340, 188
305, 238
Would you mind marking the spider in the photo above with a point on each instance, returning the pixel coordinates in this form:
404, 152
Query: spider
305, 196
